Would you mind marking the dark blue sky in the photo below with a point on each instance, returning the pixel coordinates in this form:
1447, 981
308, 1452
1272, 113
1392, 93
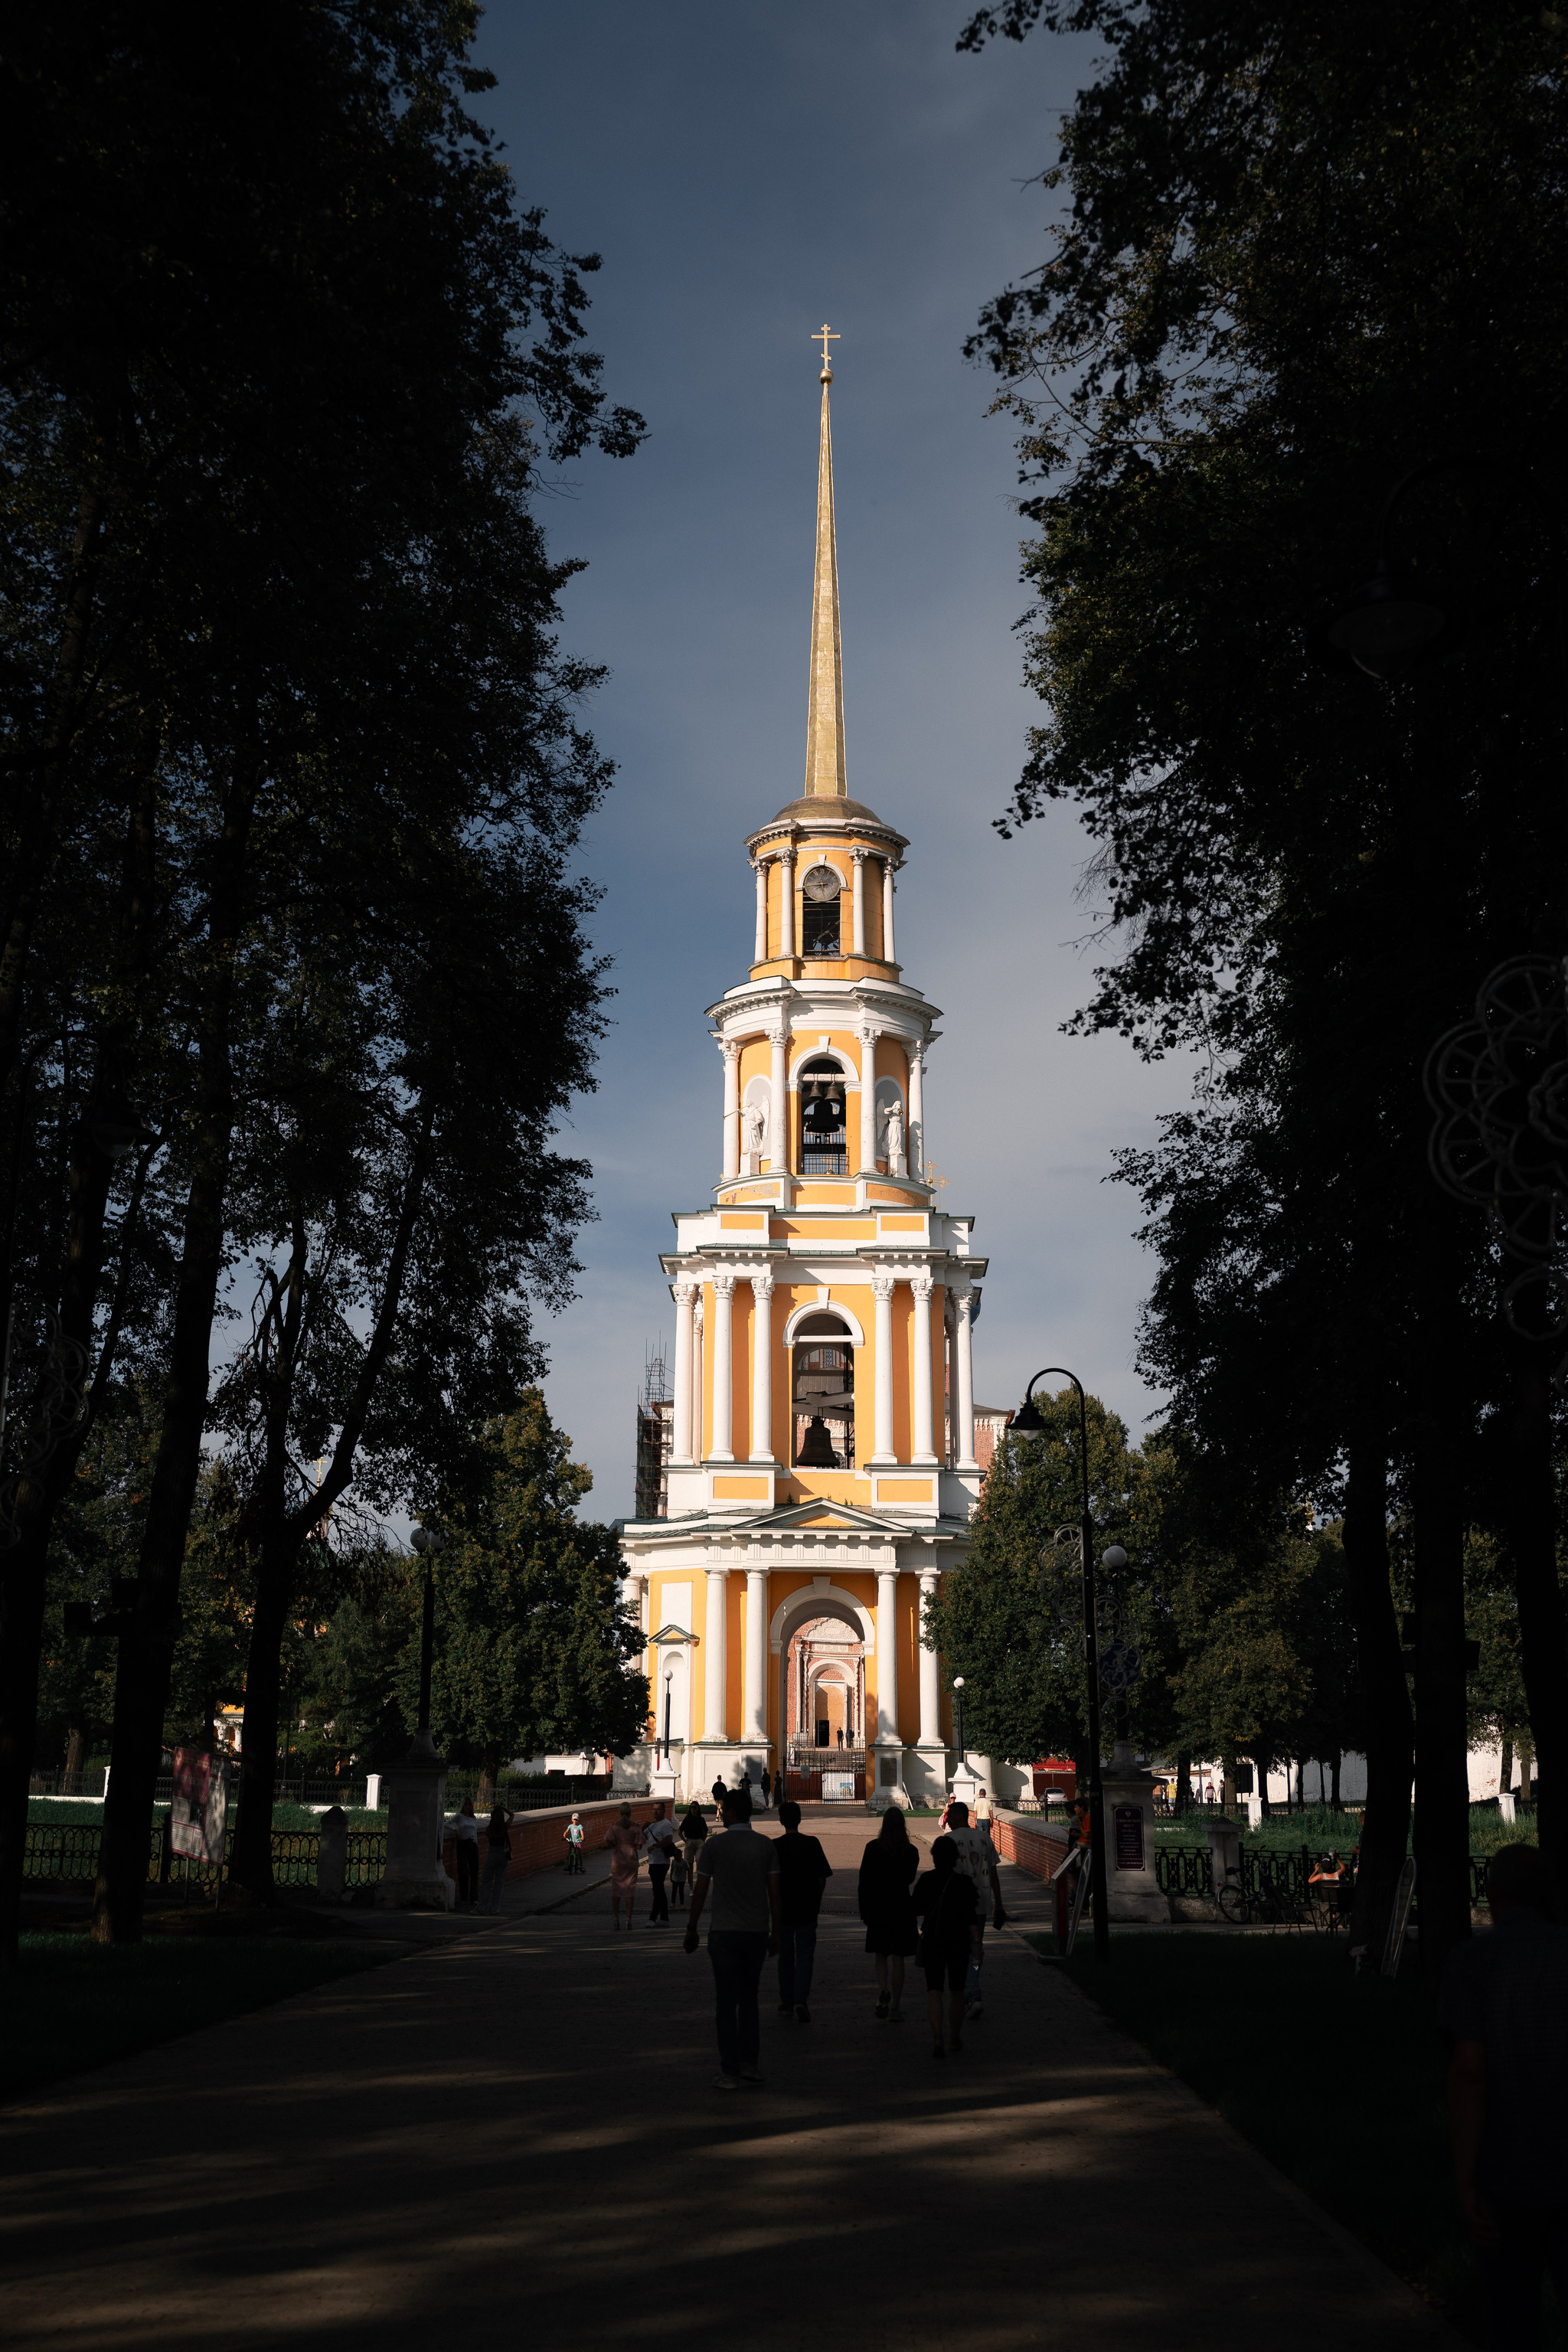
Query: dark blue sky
747, 171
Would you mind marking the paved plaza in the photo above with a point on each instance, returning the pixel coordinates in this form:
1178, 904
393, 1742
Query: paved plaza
514, 2133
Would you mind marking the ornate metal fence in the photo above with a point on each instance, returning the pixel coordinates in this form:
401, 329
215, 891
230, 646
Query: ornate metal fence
70, 1855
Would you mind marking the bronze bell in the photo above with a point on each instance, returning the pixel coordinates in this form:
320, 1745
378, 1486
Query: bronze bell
816, 1446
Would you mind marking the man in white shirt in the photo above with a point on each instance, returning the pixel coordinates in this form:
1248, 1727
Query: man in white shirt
742, 1870
658, 1844
977, 1859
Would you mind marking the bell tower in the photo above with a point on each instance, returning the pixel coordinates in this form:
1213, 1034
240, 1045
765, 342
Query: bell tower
824, 1456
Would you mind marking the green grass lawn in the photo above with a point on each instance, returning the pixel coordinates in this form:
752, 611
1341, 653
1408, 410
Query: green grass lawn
1339, 2080
74, 2005
1320, 1827
51, 1812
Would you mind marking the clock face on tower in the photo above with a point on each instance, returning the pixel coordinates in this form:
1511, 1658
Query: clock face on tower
821, 883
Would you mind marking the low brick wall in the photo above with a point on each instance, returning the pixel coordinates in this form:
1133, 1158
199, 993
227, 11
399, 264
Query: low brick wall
1022, 1840
536, 1838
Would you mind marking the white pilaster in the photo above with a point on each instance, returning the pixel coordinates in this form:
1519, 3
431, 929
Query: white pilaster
756, 1722
759, 869
778, 1110
923, 1449
888, 950
931, 1672
715, 1723
964, 1435
867, 1037
685, 1347
723, 1383
762, 1370
786, 902
857, 936
731, 1050
915, 1142
882, 1451
887, 1658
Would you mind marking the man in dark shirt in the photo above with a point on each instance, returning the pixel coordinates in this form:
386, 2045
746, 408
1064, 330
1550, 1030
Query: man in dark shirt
804, 1870
1505, 2002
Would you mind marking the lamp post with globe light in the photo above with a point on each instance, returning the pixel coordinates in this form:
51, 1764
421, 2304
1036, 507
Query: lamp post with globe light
1027, 1424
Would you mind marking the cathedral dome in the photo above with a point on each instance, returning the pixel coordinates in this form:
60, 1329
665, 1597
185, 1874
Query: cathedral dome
830, 808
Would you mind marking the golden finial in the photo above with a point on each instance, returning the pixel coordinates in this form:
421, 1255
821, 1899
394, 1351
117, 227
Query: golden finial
825, 336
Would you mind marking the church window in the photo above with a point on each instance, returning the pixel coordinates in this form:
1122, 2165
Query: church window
824, 1146
819, 912
822, 1395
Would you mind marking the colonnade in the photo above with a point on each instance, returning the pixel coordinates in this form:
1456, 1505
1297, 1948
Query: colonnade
786, 859
688, 1430
753, 1725
778, 1036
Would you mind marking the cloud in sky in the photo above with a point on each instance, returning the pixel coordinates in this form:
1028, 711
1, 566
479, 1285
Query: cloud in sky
748, 171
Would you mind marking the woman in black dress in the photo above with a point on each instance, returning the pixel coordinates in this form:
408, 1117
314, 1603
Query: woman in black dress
888, 1869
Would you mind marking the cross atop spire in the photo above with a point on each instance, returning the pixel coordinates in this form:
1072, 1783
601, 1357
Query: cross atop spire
824, 773
825, 337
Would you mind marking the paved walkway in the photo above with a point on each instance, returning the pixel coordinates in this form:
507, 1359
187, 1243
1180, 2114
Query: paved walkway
513, 2132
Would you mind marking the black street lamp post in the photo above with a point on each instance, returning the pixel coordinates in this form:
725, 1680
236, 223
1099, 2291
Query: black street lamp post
958, 1717
1027, 1424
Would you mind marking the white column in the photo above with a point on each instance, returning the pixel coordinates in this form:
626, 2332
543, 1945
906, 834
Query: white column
762, 1370
786, 902
931, 1672
915, 1142
887, 1657
778, 1112
858, 934
964, 1435
715, 1725
697, 1379
923, 1449
759, 869
684, 1337
888, 911
756, 1722
882, 1288
731, 1050
867, 1101
723, 1385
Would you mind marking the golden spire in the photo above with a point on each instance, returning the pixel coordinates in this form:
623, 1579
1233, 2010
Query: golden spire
825, 717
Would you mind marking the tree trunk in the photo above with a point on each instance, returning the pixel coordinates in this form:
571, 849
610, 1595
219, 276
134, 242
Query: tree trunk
146, 1647
76, 1761
1260, 1777
1526, 1775
1531, 1526
1505, 1767
1334, 1783
490, 1765
40, 824
1442, 1844
1183, 1781
1390, 1732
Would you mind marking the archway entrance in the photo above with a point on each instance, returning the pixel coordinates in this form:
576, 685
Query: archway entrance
822, 1703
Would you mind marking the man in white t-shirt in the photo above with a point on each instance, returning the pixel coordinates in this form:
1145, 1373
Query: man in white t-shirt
977, 1860
658, 1844
741, 1870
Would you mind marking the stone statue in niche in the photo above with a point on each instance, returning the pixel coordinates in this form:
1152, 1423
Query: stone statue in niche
891, 1121
754, 1136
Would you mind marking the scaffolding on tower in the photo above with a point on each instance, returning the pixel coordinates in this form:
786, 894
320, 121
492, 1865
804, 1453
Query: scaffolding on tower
655, 1436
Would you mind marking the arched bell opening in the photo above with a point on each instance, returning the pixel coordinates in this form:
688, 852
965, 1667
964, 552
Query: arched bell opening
821, 1394
824, 1135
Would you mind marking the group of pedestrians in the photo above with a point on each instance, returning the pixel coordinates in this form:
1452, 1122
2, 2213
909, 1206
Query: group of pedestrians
937, 1919
766, 1898
481, 1891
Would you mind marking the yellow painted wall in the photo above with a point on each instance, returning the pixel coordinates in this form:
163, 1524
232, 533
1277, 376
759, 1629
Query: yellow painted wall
735, 1653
